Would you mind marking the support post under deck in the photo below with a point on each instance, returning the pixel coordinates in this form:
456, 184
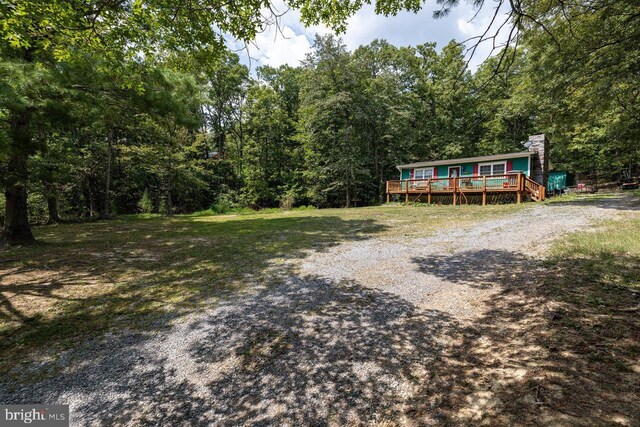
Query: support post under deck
519, 193
484, 190
387, 192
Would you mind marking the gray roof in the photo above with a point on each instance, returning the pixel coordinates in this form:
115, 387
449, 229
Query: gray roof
469, 160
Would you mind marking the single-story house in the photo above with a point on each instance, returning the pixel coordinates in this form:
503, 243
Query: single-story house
534, 163
498, 164
519, 174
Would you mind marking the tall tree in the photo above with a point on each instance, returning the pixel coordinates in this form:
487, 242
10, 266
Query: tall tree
268, 156
329, 118
37, 34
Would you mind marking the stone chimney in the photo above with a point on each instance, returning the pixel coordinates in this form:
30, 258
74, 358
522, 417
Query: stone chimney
539, 144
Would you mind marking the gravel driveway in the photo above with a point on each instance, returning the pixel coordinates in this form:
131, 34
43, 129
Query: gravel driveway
430, 272
363, 334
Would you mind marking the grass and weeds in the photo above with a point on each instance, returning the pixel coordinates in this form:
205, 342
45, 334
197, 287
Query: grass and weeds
590, 291
607, 258
561, 342
83, 280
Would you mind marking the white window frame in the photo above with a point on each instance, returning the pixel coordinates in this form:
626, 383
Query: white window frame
453, 167
492, 164
415, 173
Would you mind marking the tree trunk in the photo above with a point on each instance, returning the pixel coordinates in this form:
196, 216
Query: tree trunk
169, 203
16, 225
52, 203
106, 209
91, 196
168, 185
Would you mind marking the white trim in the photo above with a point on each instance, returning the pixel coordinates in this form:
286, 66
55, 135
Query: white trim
422, 169
494, 158
492, 164
449, 171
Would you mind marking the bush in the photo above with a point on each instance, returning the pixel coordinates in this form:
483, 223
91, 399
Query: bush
288, 200
145, 204
225, 203
38, 209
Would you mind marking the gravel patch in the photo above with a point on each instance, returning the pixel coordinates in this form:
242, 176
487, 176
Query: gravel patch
431, 273
358, 337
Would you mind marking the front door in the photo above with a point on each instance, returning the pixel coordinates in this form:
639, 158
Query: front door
454, 172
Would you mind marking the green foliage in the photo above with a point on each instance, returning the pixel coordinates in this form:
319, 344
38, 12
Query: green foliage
226, 202
145, 100
146, 204
364, 113
288, 200
581, 78
37, 208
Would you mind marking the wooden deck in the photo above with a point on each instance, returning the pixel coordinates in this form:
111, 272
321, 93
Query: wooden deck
518, 184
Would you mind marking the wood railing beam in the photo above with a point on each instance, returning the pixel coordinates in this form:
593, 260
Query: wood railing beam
482, 185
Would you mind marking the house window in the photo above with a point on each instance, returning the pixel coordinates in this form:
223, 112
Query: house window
493, 168
499, 169
423, 173
485, 170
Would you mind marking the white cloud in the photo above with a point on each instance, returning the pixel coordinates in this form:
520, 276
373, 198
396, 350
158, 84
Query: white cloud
472, 28
291, 47
276, 48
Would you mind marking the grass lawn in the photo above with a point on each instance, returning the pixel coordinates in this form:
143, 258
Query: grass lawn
557, 341
86, 279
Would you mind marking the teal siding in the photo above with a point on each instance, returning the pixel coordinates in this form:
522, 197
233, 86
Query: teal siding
521, 164
467, 169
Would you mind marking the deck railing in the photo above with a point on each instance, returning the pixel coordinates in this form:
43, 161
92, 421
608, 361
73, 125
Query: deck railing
536, 190
517, 183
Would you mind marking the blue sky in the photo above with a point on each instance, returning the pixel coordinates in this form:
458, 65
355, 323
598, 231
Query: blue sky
290, 47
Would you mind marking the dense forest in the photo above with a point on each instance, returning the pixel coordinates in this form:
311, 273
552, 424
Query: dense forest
90, 132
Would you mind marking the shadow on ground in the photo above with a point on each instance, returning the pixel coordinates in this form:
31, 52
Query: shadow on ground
314, 352
306, 352
558, 345
616, 201
93, 277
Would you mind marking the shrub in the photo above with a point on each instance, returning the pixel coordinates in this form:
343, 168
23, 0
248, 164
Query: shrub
145, 204
38, 209
288, 200
225, 203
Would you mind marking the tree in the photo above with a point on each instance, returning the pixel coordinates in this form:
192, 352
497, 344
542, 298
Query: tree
582, 77
38, 34
385, 89
26, 93
329, 117
506, 114
225, 83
